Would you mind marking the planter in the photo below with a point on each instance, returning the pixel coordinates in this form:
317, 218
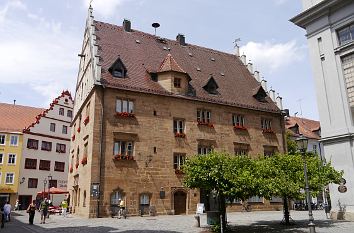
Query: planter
180, 135
208, 124
268, 131
178, 171
125, 114
239, 127
123, 157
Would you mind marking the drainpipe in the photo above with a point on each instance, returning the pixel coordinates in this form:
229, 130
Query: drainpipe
101, 153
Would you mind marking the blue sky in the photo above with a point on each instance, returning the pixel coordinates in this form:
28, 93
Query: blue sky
40, 40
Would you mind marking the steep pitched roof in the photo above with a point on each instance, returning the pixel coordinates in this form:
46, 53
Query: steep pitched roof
13, 118
306, 127
170, 64
142, 53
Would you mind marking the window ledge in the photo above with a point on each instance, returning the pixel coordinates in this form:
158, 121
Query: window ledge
344, 47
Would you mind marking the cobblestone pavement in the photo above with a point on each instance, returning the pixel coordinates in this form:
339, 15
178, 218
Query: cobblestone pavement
242, 222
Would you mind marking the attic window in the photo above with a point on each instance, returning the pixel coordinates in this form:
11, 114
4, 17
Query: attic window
154, 77
211, 87
213, 59
198, 69
190, 54
260, 95
118, 69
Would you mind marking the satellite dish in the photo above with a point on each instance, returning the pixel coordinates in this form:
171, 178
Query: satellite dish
155, 25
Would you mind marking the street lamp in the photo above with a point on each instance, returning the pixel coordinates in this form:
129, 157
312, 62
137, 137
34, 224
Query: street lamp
50, 178
302, 143
44, 184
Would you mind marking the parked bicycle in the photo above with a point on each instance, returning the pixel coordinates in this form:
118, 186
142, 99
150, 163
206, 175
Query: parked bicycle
122, 213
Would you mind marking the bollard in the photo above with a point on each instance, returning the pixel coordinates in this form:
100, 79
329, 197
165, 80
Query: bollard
197, 217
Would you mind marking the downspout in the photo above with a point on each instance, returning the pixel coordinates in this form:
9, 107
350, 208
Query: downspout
101, 152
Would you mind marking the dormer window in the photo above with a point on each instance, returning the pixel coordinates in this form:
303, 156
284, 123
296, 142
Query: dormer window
211, 86
118, 69
177, 82
260, 94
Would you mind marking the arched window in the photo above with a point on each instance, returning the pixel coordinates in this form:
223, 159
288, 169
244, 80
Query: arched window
115, 197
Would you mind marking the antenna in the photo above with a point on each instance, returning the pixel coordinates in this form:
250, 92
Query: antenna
300, 100
235, 42
155, 25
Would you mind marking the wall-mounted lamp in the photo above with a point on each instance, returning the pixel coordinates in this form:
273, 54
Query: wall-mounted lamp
22, 180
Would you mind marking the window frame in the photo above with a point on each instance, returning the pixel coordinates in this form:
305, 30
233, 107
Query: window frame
61, 112
2, 158
14, 158
69, 113
31, 181
203, 115
3, 135
46, 168
204, 149
266, 124
350, 30
64, 131
178, 160
32, 143
177, 82
238, 120
178, 126
52, 127
62, 165
13, 177
120, 105
17, 140
128, 148
44, 147
60, 148
30, 167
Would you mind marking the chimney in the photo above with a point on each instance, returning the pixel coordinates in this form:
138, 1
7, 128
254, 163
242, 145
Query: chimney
127, 25
237, 50
243, 59
279, 102
14, 102
250, 67
272, 94
286, 112
264, 84
256, 76
181, 39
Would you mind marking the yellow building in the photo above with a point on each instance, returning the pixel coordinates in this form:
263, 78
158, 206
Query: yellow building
13, 118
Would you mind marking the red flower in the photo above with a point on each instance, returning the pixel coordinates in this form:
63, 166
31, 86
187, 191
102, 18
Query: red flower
178, 171
123, 157
86, 121
84, 160
180, 135
78, 130
125, 114
268, 131
240, 127
73, 138
210, 125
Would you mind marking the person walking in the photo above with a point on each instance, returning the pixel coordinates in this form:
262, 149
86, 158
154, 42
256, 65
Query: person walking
43, 207
7, 211
122, 209
64, 207
31, 210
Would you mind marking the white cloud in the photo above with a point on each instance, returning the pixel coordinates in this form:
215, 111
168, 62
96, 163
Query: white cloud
36, 52
273, 56
10, 5
105, 8
280, 2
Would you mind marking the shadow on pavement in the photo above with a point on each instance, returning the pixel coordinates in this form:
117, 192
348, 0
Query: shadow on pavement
277, 227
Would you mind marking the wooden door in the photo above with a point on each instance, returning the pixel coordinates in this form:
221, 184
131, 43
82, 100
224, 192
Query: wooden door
180, 200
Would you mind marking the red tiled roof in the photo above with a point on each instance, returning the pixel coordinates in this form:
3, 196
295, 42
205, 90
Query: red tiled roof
13, 118
170, 64
141, 52
307, 127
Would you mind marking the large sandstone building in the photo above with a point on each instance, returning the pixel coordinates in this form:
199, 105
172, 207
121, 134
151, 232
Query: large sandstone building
144, 103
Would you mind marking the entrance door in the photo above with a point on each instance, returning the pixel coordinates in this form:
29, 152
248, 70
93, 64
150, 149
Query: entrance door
24, 201
180, 200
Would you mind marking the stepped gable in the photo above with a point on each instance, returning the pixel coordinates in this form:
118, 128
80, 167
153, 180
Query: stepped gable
142, 52
13, 118
36, 119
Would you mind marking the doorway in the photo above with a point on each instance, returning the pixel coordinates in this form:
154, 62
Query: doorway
180, 200
24, 201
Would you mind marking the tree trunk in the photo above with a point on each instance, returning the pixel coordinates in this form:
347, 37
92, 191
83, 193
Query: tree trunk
222, 209
286, 211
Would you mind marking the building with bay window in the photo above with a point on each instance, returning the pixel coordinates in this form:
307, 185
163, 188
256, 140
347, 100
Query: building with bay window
143, 104
329, 26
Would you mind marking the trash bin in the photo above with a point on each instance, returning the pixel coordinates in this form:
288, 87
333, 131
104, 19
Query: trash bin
213, 217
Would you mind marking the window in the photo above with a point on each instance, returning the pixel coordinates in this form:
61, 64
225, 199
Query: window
178, 161
269, 151
32, 183
123, 148
117, 73
178, 126
61, 148
59, 166
144, 199
241, 149
12, 159
118, 69
9, 179
32, 144
14, 140
115, 197
53, 183
255, 199
346, 35
203, 116
69, 113
65, 129
1, 158
203, 150
124, 106
44, 165
2, 139
46, 146
276, 200
52, 127
266, 124
61, 111
314, 149
177, 82
30, 163
238, 120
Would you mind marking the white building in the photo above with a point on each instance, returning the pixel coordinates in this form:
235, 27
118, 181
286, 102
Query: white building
45, 156
330, 32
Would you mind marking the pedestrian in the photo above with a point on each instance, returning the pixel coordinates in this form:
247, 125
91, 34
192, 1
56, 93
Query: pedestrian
7, 211
17, 205
31, 210
43, 207
64, 206
122, 208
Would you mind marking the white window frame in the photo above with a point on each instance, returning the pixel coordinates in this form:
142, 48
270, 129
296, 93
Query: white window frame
180, 160
127, 150
62, 129
2, 158
14, 158
50, 127
178, 126
144, 199
124, 105
17, 139
266, 124
115, 196
203, 116
13, 177
3, 144
238, 120
203, 150
314, 148
62, 112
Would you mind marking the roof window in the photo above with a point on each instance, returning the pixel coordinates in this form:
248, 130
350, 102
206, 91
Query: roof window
260, 94
211, 86
118, 69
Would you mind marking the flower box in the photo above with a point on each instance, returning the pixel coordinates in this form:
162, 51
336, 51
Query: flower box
268, 131
178, 171
71, 169
123, 157
84, 160
78, 130
77, 165
240, 127
180, 135
87, 120
125, 114
210, 125
73, 138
